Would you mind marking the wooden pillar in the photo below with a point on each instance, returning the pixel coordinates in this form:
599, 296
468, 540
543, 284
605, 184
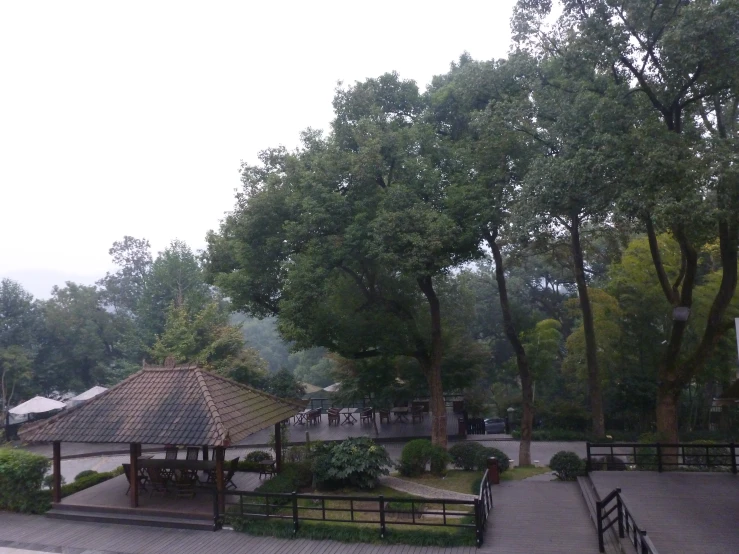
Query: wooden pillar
134, 495
278, 447
205, 453
57, 471
220, 455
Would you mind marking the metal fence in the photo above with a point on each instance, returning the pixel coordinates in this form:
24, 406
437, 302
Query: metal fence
627, 526
661, 456
379, 510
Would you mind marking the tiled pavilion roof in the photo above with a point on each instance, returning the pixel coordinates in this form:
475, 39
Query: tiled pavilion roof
183, 405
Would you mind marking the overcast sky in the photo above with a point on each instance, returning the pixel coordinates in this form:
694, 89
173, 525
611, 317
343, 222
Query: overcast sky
131, 118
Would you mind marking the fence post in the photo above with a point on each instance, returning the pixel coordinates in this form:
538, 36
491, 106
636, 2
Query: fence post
295, 512
620, 513
599, 523
732, 448
382, 517
587, 463
478, 522
659, 457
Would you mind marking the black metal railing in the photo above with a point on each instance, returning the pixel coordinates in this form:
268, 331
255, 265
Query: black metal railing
325, 403
368, 510
612, 504
661, 456
475, 426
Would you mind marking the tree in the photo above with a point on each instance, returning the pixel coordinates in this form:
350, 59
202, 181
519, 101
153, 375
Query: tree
284, 385
682, 59
357, 230
125, 288
15, 374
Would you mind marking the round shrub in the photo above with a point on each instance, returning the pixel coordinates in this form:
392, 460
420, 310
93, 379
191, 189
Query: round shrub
414, 457
481, 462
465, 454
85, 473
438, 460
258, 456
566, 465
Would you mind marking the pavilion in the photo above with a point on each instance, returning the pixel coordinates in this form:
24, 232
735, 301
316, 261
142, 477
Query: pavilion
171, 405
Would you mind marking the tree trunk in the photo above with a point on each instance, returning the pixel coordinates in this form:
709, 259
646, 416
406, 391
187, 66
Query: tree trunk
667, 399
594, 389
432, 366
524, 370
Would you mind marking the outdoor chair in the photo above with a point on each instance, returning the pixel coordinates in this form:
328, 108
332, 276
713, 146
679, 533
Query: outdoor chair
184, 484
334, 416
158, 481
192, 454
267, 467
127, 473
367, 415
314, 417
417, 413
228, 478
170, 452
385, 414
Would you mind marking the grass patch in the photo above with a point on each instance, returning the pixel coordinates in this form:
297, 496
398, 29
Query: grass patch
456, 480
523, 472
365, 527
351, 533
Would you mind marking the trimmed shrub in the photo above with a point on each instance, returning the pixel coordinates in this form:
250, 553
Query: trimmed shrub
21, 476
85, 473
566, 465
645, 457
415, 457
49, 481
438, 460
258, 456
89, 480
715, 459
607, 463
247, 466
465, 454
481, 461
356, 462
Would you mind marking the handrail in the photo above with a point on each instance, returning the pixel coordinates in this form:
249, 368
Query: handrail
627, 526
664, 455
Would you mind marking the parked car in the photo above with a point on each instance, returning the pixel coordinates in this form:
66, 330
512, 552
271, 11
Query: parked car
494, 425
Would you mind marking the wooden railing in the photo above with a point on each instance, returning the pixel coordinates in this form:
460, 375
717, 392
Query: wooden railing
627, 526
366, 510
661, 456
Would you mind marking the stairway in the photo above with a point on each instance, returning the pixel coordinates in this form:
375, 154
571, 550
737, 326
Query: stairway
128, 516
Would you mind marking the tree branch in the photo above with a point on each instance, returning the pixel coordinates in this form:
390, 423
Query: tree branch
664, 281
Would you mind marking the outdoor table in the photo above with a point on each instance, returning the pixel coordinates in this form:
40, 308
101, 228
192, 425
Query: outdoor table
300, 417
267, 467
348, 414
401, 414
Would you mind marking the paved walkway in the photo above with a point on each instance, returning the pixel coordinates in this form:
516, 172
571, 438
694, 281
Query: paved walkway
539, 517
37, 533
695, 513
424, 491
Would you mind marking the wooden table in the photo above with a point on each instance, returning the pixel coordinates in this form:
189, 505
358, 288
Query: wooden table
401, 414
300, 417
348, 414
267, 467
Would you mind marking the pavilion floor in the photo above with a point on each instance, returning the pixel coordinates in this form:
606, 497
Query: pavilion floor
112, 495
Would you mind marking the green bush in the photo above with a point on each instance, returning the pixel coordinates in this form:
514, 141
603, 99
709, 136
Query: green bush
718, 459
481, 460
89, 480
465, 454
645, 457
85, 473
48, 481
566, 465
247, 466
356, 462
258, 456
415, 457
438, 460
21, 476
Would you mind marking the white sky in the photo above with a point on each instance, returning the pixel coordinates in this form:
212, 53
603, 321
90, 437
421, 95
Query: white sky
131, 118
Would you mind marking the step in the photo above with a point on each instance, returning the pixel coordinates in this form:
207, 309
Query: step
146, 512
131, 519
611, 541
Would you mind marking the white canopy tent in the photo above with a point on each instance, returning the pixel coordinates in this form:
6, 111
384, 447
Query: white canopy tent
37, 405
333, 388
87, 395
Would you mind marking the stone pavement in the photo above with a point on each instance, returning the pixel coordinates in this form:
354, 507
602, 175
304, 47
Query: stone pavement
424, 491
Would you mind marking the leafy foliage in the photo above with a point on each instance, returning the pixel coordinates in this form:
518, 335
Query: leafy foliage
258, 456
415, 457
566, 465
355, 462
21, 477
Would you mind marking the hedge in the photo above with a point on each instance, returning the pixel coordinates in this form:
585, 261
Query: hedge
21, 476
